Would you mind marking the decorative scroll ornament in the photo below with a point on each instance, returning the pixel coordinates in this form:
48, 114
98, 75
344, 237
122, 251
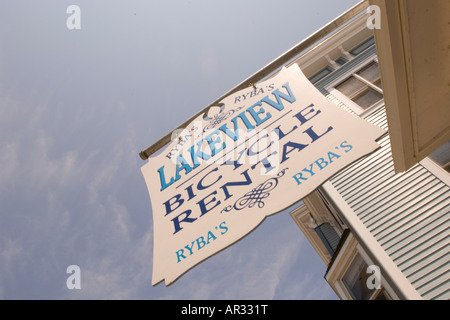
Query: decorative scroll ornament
257, 194
218, 119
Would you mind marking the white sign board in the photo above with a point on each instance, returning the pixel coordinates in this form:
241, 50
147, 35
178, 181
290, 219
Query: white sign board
263, 150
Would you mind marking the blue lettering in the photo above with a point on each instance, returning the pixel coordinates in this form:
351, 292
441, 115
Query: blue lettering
247, 181
292, 146
310, 169
343, 145
201, 186
237, 163
200, 242
245, 95
196, 154
180, 253
190, 248
278, 96
332, 155
169, 205
255, 93
212, 143
181, 165
255, 114
235, 135
313, 135
302, 117
258, 144
299, 176
162, 178
190, 192
203, 205
216, 143
177, 222
211, 236
321, 163
223, 227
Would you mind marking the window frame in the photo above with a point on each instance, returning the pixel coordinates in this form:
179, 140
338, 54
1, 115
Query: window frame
331, 87
436, 170
345, 286
327, 69
343, 261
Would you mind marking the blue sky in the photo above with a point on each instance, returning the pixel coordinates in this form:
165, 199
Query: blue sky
77, 106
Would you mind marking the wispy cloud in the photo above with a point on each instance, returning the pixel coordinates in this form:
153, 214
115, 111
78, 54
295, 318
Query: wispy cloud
64, 208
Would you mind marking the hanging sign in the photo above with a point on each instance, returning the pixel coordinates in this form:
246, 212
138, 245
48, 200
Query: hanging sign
260, 151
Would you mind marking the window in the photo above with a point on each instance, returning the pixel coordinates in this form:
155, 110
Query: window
441, 156
363, 46
329, 237
382, 295
321, 74
350, 276
363, 87
355, 279
341, 61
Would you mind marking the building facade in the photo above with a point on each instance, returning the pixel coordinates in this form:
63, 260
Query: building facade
381, 225
382, 234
